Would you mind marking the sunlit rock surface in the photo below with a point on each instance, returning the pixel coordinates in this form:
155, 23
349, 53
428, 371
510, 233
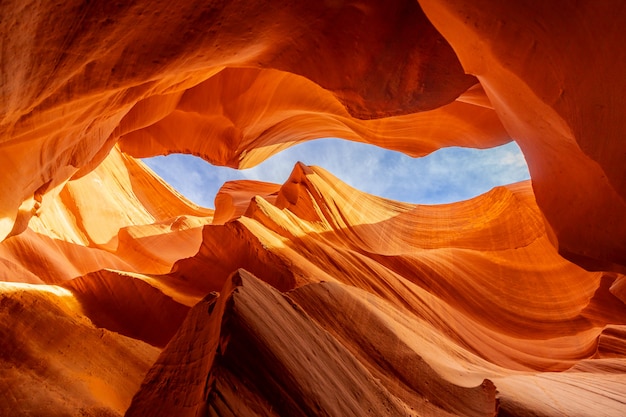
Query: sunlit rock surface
119, 296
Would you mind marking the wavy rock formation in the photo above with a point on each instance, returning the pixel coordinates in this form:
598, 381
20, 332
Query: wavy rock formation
530, 59
120, 297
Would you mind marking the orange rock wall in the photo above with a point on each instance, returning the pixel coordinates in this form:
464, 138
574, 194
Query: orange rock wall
119, 296
553, 73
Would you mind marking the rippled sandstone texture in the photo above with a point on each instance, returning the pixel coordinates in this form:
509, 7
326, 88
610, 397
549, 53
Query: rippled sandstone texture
118, 296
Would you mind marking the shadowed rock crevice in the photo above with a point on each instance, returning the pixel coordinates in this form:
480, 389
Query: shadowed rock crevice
271, 348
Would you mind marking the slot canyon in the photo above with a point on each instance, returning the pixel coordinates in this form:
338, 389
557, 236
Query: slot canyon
120, 297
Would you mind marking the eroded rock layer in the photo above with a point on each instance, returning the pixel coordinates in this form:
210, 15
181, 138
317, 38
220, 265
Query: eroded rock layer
118, 296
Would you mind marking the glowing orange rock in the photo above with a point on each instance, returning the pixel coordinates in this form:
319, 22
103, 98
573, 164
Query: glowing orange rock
566, 116
69, 86
443, 287
245, 130
54, 361
331, 301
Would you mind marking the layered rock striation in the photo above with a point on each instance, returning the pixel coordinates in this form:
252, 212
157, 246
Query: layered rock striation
120, 297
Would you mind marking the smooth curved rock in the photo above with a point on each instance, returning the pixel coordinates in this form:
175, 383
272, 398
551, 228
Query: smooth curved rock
76, 70
411, 294
54, 362
331, 301
560, 94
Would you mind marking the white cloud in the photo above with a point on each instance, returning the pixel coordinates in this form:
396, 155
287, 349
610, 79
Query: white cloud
196, 179
446, 175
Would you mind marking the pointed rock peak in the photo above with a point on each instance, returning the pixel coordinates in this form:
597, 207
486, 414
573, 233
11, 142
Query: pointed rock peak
299, 194
265, 213
290, 190
301, 169
238, 277
233, 199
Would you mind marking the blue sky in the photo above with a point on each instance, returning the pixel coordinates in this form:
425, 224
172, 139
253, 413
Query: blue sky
447, 175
